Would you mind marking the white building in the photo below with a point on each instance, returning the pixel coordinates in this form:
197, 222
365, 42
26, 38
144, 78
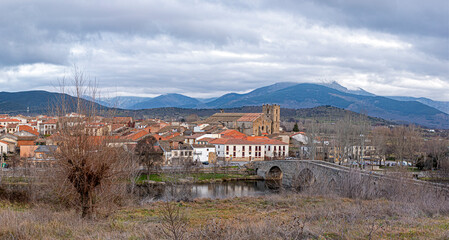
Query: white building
250, 149
201, 153
4, 147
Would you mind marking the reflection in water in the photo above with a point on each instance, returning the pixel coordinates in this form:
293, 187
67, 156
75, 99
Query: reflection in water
210, 190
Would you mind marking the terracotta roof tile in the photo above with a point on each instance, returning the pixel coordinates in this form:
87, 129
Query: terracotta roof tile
249, 117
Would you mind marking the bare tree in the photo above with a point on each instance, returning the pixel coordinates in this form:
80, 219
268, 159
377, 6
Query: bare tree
149, 154
437, 148
344, 138
87, 166
405, 140
313, 131
380, 139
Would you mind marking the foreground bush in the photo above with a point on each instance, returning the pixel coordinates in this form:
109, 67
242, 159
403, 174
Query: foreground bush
292, 216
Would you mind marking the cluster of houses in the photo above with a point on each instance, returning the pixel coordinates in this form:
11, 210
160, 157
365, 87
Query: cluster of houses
227, 137
242, 137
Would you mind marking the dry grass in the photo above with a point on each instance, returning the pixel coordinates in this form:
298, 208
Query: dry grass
292, 216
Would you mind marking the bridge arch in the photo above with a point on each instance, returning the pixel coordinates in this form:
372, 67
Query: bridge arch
304, 179
275, 173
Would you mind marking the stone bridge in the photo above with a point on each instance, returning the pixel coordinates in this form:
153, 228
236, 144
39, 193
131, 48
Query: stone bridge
301, 174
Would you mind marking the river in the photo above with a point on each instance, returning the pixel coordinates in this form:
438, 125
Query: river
243, 188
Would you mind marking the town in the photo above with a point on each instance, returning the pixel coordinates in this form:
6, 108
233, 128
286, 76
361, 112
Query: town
229, 120
227, 139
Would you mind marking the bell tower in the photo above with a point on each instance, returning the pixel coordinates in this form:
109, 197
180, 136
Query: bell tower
273, 112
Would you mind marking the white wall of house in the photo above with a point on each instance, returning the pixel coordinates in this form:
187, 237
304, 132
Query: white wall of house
240, 152
209, 135
3, 148
47, 128
301, 138
201, 154
276, 150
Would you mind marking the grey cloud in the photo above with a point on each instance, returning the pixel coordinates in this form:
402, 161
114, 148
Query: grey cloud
210, 47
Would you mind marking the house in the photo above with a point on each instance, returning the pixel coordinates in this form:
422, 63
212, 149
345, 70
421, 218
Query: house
4, 147
6, 121
98, 129
249, 149
11, 140
137, 135
11, 128
27, 151
26, 140
192, 139
203, 153
231, 149
25, 130
176, 154
47, 127
45, 151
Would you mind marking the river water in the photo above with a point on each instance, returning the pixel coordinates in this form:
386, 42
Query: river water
243, 188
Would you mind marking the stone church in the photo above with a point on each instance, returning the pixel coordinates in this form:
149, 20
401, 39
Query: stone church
251, 124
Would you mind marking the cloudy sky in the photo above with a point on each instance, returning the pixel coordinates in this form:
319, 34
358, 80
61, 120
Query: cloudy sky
208, 48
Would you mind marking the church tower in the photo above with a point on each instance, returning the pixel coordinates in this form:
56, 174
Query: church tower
273, 112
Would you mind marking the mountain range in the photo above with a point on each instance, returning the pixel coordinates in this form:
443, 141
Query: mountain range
422, 111
40, 102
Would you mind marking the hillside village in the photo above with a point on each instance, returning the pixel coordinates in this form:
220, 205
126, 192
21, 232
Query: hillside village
226, 138
223, 137
35, 138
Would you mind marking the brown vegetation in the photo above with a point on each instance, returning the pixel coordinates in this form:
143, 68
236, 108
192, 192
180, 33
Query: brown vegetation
292, 216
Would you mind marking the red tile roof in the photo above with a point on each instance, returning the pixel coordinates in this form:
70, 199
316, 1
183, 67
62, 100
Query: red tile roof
249, 117
50, 121
230, 133
206, 139
9, 120
247, 141
195, 136
137, 135
28, 129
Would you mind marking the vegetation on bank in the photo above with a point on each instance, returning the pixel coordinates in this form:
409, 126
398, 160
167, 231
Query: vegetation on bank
292, 216
195, 177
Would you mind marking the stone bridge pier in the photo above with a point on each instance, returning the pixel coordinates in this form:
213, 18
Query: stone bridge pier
301, 173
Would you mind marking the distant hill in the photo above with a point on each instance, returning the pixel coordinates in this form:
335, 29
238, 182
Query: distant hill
306, 95
287, 95
321, 113
38, 102
440, 105
335, 85
169, 100
124, 102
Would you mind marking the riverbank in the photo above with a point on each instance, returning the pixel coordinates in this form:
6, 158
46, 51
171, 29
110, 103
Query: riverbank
267, 217
195, 178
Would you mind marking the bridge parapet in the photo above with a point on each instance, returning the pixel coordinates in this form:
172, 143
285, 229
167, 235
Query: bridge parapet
299, 172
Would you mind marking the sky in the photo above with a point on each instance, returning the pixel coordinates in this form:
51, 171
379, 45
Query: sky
209, 48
